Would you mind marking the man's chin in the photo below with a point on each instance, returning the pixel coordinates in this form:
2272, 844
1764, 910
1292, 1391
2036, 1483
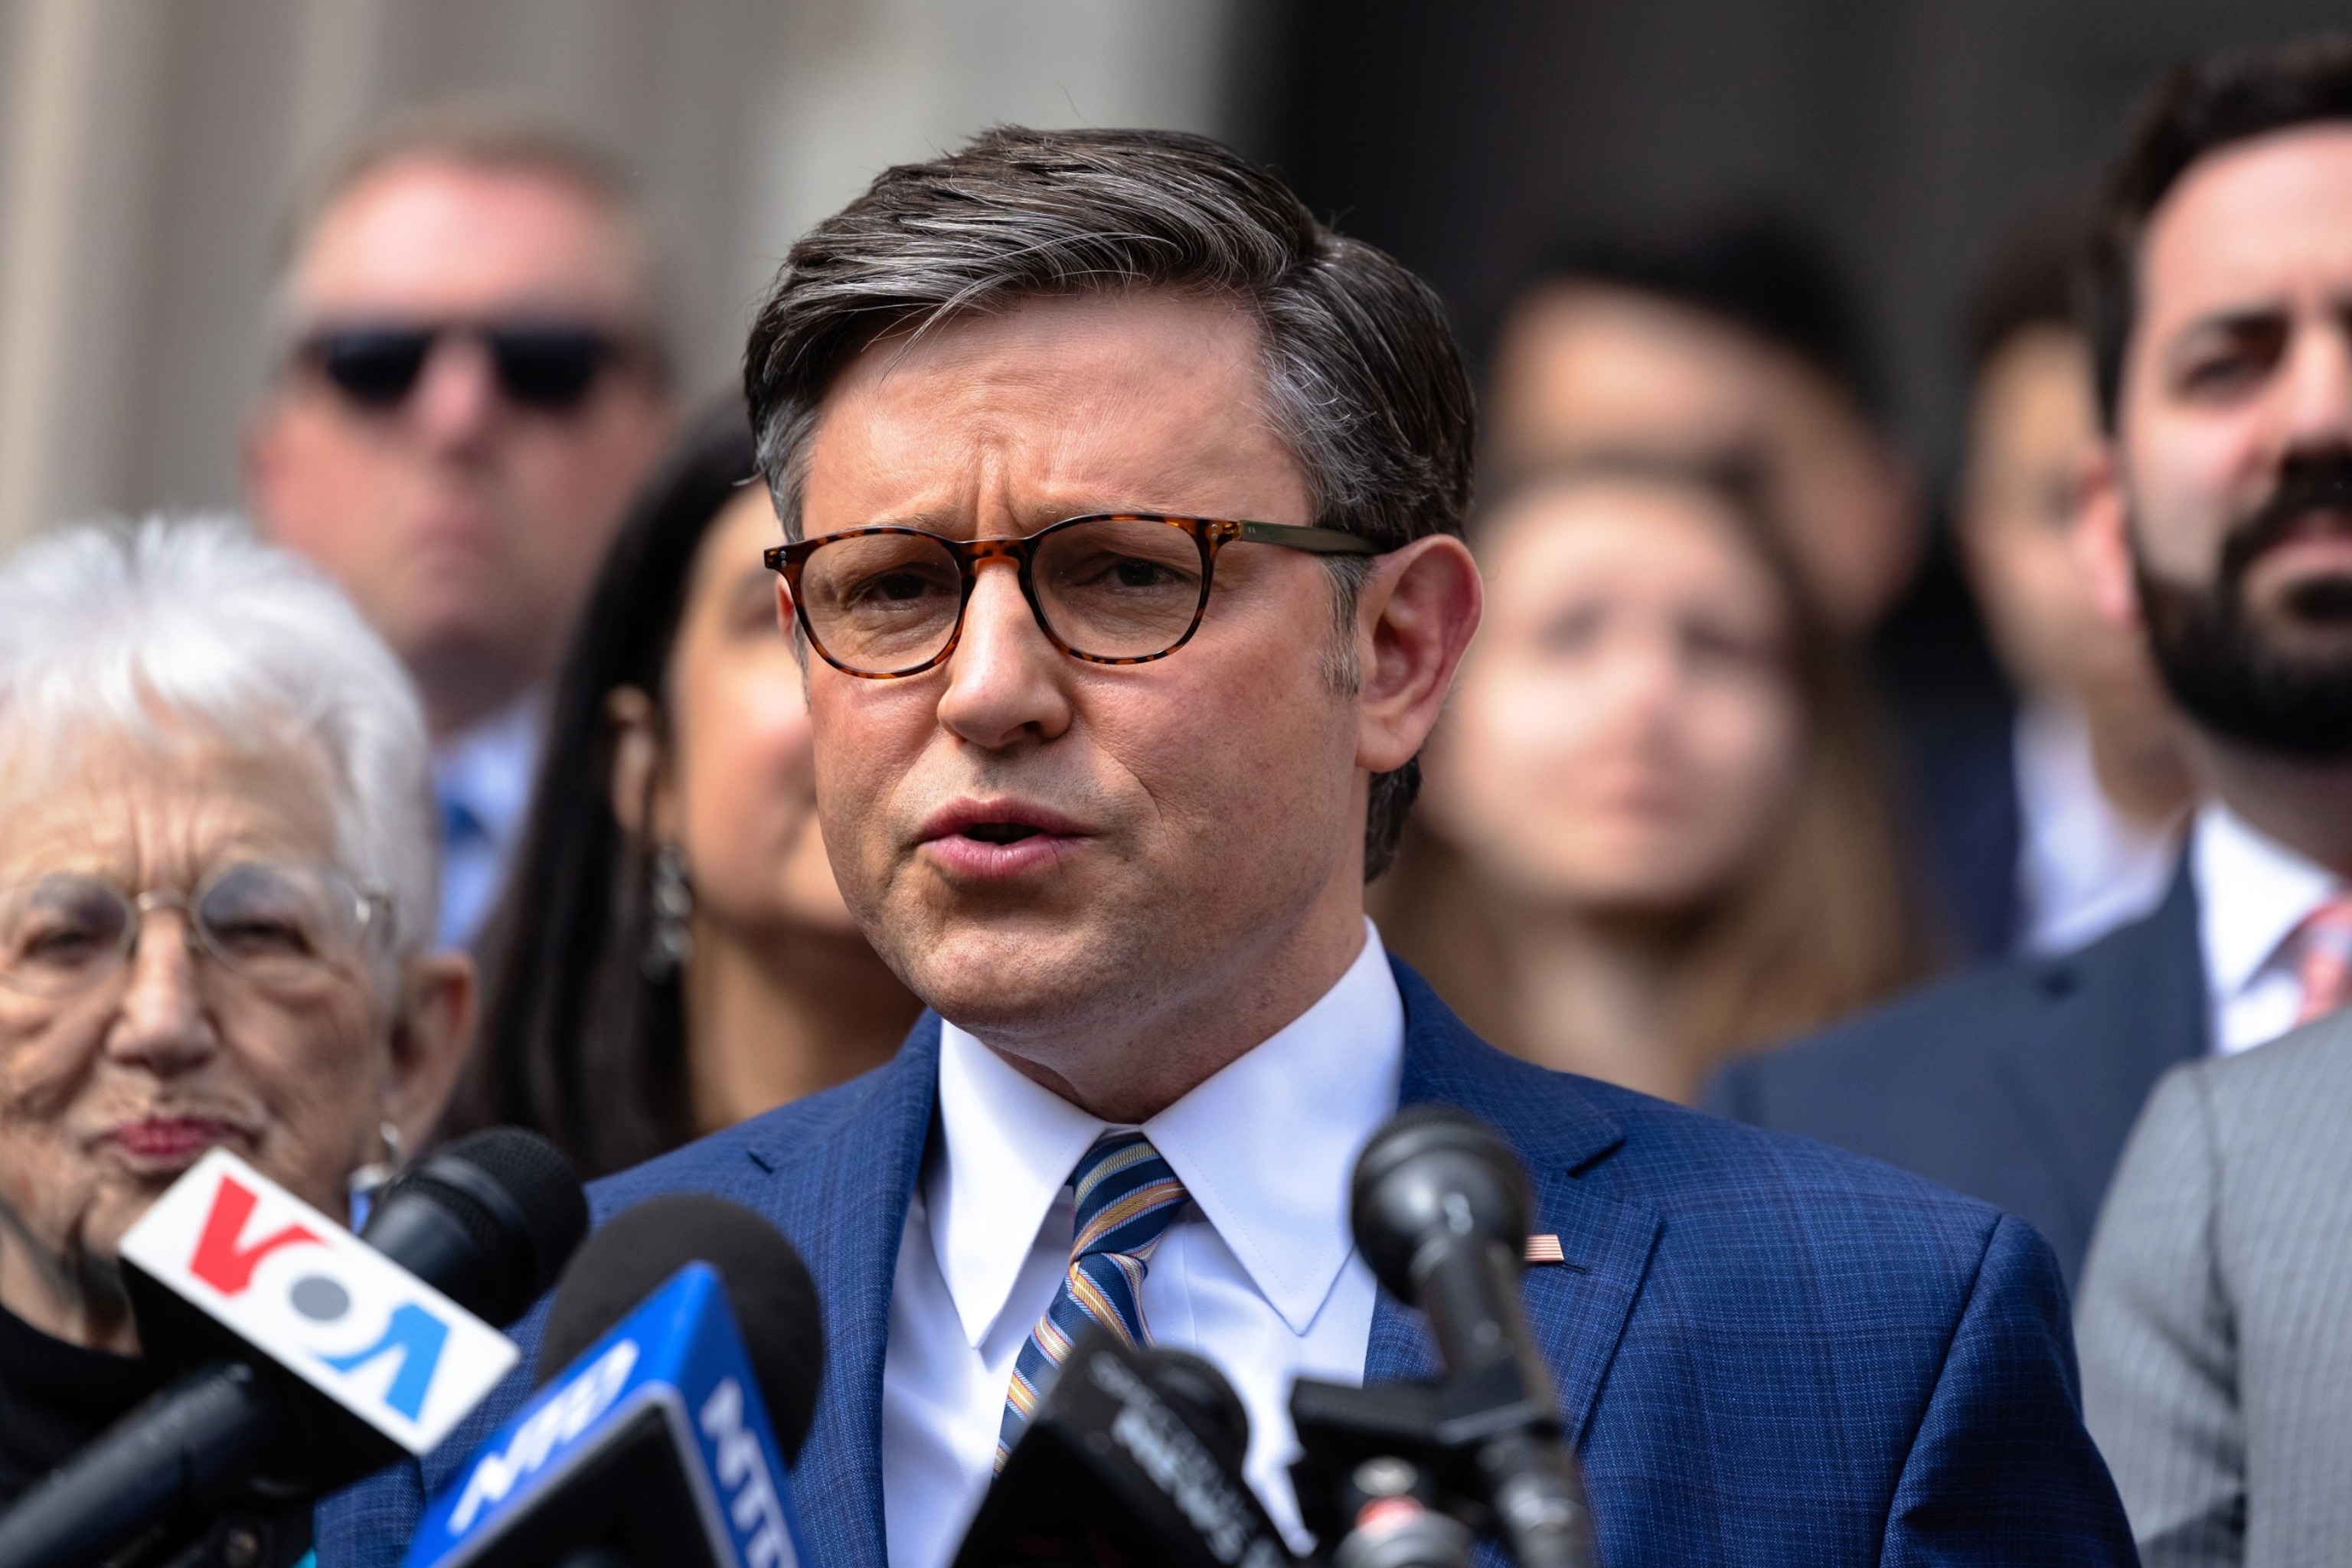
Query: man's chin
1013, 977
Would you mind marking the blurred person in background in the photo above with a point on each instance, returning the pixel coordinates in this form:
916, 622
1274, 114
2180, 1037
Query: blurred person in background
672, 956
1737, 335
2100, 785
2217, 520
1733, 337
1652, 827
468, 382
216, 915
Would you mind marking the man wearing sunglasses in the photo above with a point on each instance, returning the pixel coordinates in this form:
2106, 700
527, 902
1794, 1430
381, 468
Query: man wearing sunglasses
1125, 502
468, 386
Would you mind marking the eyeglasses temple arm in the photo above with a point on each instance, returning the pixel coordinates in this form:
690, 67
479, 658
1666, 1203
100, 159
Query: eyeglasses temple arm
1320, 541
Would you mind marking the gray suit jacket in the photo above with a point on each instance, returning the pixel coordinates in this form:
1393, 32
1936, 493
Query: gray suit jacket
2215, 1324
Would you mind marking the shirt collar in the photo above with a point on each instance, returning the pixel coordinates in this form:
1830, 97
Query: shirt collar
487, 769
2251, 893
1265, 1149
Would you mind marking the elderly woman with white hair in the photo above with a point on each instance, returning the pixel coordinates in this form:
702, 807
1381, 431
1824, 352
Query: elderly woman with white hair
217, 892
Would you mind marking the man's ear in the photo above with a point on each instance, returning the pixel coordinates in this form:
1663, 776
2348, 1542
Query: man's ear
789, 625
1414, 618
642, 796
2102, 537
430, 1037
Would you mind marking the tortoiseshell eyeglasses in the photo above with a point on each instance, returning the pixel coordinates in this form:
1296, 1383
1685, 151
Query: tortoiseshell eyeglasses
1109, 588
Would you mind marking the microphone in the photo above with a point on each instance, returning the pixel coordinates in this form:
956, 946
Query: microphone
653, 1443
491, 1220
1132, 1456
1440, 1212
318, 1356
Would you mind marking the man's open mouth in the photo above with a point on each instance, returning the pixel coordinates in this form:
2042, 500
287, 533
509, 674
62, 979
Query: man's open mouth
1000, 832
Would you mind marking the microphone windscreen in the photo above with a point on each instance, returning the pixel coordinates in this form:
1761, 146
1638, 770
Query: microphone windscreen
1434, 1171
768, 1289
491, 1220
541, 1181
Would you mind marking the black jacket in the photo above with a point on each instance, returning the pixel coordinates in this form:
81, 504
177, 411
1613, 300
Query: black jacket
2016, 1083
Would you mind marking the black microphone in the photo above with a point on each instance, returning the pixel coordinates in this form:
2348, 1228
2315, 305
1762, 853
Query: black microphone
1131, 1457
681, 1331
491, 1220
768, 1289
1441, 1213
486, 1222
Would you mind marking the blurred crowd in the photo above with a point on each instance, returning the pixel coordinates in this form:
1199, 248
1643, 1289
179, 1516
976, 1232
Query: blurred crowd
1940, 822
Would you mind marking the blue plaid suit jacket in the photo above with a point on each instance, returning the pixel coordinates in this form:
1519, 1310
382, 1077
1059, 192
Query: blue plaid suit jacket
1769, 1351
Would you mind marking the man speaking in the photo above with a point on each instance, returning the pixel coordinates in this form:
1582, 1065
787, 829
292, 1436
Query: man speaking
1126, 501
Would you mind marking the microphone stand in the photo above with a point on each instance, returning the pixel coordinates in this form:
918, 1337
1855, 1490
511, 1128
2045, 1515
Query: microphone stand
1398, 1474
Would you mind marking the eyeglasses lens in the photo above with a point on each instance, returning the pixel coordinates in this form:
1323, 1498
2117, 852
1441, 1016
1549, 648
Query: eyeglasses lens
277, 924
1119, 587
376, 368
1108, 588
551, 369
881, 603
59, 934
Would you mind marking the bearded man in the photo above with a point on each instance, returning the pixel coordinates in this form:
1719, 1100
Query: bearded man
2218, 520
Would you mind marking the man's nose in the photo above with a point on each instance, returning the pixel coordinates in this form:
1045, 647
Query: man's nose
1005, 679
457, 402
159, 1022
2319, 388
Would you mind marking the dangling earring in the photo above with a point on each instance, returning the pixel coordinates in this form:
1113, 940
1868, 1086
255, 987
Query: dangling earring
374, 1177
671, 941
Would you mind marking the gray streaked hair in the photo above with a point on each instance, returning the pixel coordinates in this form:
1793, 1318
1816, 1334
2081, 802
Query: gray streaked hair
141, 628
1364, 378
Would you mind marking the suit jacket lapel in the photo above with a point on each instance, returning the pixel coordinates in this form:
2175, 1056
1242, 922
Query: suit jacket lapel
2115, 1016
1577, 1309
840, 1191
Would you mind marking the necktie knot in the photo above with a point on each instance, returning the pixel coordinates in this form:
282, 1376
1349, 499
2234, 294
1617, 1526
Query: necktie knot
1127, 1198
2324, 958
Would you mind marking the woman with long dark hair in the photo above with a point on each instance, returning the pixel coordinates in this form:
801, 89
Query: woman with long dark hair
671, 954
1653, 829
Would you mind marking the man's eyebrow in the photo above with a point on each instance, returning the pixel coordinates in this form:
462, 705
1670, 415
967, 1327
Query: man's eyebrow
2236, 320
951, 525
956, 524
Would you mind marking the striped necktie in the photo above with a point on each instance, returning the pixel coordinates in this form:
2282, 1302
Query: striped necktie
2323, 966
1127, 1197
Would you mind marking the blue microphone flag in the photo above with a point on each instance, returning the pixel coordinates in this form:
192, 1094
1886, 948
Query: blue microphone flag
670, 1378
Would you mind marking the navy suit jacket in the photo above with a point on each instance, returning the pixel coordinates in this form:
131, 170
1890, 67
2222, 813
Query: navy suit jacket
1769, 1352
2016, 1083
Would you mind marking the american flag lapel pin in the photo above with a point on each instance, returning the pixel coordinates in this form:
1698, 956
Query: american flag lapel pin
1545, 1249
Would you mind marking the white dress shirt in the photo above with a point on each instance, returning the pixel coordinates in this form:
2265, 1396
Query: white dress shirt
2082, 867
1260, 1274
481, 780
2251, 893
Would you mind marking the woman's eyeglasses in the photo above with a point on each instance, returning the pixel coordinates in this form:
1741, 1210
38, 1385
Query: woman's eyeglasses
550, 367
280, 925
1110, 588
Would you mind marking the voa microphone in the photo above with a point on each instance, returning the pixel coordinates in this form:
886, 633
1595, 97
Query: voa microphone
1131, 1457
317, 1356
680, 1371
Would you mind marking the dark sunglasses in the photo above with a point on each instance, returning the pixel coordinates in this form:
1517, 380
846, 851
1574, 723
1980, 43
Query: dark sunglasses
548, 367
